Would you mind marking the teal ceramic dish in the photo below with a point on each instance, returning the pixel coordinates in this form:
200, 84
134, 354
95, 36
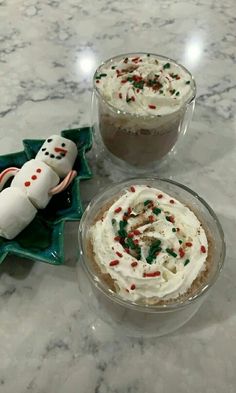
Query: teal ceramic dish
43, 238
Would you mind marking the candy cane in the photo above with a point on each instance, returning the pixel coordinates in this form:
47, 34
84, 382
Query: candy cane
64, 184
6, 174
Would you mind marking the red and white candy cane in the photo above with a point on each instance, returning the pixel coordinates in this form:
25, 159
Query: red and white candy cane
64, 184
6, 174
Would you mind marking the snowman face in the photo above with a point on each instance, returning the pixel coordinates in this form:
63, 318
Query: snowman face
59, 153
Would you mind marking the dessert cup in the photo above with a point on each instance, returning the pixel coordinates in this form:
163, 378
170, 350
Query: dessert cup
133, 318
139, 140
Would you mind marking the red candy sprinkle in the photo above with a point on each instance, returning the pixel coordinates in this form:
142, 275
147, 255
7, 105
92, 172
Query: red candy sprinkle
114, 263
172, 201
133, 264
132, 287
154, 274
38, 170
137, 232
188, 244
151, 218
34, 177
135, 59
124, 81
120, 95
132, 189
130, 235
203, 249
172, 219
138, 90
159, 196
152, 106
118, 210
117, 238
129, 210
119, 254
181, 252
127, 250
136, 241
133, 98
27, 183
177, 229
97, 81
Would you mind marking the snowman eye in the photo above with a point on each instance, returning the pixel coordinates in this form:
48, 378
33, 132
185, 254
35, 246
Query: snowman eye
49, 140
63, 144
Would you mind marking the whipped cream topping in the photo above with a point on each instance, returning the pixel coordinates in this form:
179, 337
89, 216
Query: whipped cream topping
151, 245
144, 85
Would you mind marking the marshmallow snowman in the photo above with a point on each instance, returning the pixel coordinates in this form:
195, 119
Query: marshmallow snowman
35, 183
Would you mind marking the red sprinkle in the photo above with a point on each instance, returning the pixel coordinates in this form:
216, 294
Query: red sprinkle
188, 244
138, 90
160, 196
132, 287
133, 264
154, 274
172, 219
117, 238
124, 81
177, 229
178, 77
181, 252
34, 177
38, 170
137, 232
133, 98
132, 189
129, 211
119, 254
172, 201
114, 263
127, 250
120, 95
151, 218
130, 235
152, 106
27, 183
118, 210
97, 81
136, 241
203, 249
135, 59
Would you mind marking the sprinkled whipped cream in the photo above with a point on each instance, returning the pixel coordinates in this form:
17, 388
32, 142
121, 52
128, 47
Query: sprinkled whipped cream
144, 85
150, 244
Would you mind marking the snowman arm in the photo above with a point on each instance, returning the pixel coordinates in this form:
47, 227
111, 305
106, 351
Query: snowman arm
6, 174
64, 184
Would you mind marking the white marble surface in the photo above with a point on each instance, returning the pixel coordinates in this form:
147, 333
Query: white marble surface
48, 52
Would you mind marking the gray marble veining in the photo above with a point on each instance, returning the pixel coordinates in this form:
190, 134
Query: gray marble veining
49, 341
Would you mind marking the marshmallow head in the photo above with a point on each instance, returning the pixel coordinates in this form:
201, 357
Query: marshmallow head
59, 153
16, 212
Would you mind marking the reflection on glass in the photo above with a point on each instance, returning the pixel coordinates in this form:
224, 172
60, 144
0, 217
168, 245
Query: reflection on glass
86, 63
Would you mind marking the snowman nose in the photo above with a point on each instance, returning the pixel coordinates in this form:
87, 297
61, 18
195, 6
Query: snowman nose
60, 150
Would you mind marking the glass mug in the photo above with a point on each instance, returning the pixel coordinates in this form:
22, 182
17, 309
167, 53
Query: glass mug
138, 141
132, 318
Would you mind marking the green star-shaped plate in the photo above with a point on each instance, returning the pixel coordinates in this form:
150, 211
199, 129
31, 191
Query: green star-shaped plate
43, 239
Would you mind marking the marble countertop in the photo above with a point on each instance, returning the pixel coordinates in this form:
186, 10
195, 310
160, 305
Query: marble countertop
49, 49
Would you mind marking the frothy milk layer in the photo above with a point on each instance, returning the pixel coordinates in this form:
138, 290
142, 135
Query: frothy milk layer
150, 244
144, 85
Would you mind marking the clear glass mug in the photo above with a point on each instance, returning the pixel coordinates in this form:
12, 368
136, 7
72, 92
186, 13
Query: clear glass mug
131, 318
134, 140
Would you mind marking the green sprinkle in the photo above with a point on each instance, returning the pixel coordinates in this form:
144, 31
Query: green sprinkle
173, 230
113, 221
177, 94
156, 210
161, 91
128, 99
167, 65
123, 224
113, 67
122, 233
130, 243
172, 91
186, 262
147, 202
188, 82
148, 54
149, 259
170, 252
180, 241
